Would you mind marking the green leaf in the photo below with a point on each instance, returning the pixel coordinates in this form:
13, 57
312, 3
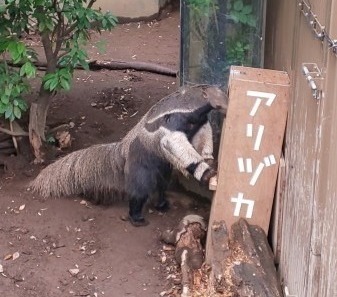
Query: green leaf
238, 5
251, 21
28, 69
65, 84
17, 112
50, 139
9, 111
22, 104
20, 47
2, 108
247, 9
53, 84
5, 99
8, 89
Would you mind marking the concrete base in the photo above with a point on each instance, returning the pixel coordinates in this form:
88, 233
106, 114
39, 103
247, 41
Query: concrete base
132, 9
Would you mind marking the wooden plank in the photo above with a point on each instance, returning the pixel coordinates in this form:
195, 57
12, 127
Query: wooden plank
277, 212
253, 135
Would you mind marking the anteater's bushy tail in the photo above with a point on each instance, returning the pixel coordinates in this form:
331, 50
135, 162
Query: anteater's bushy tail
96, 172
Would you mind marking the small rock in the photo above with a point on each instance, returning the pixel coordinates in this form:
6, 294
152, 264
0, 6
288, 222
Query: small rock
22, 207
16, 255
74, 271
92, 278
83, 202
1, 269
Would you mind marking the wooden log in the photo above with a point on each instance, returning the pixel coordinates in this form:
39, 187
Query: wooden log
187, 237
115, 65
242, 262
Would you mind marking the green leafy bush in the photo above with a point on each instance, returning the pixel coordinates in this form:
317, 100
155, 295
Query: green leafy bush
64, 27
13, 82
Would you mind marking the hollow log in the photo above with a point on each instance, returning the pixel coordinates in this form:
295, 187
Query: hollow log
242, 262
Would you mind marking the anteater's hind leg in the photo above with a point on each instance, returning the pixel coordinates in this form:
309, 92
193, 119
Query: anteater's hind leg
139, 184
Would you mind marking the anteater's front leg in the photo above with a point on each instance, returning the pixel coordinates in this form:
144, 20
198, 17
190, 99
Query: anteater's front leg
182, 155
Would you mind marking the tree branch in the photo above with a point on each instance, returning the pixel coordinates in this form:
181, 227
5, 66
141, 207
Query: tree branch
13, 133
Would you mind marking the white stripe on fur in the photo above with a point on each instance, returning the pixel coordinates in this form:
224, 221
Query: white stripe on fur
201, 168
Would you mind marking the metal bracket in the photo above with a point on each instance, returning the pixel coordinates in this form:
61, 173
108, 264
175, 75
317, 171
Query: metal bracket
314, 76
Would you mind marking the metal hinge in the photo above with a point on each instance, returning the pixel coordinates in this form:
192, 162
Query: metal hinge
314, 77
317, 28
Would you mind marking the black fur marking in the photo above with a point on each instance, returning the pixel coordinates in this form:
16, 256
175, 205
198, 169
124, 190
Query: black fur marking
189, 122
192, 168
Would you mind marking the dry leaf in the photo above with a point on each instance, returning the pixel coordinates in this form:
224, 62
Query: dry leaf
8, 257
64, 139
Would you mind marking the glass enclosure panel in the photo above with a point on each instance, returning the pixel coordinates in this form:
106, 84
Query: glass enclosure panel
216, 34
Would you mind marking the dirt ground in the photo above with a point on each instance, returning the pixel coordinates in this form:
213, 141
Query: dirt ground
65, 247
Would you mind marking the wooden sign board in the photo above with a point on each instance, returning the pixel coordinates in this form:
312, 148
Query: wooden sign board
251, 144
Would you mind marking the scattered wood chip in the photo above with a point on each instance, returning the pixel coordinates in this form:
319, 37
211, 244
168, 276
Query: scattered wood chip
22, 207
163, 258
1, 269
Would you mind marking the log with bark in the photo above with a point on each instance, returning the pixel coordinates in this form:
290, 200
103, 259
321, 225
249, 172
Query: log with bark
242, 262
187, 238
115, 65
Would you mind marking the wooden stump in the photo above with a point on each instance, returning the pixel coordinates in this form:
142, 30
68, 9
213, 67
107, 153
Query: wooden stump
242, 262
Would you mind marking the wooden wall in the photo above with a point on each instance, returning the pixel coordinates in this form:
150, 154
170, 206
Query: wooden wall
309, 234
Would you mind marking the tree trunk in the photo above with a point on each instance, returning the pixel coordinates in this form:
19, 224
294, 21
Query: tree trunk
39, 109
37, 123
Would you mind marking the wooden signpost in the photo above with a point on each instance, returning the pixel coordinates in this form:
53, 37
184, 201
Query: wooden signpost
250, 149
251, 145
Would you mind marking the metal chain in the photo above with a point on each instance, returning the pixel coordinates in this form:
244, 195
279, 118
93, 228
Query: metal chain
317, 27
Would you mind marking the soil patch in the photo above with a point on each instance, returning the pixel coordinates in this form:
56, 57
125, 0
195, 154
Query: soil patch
67, 247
